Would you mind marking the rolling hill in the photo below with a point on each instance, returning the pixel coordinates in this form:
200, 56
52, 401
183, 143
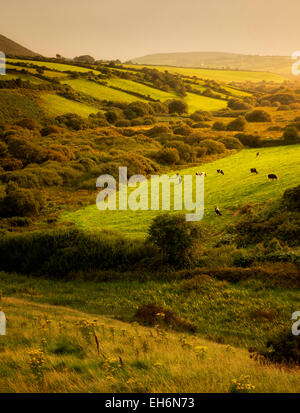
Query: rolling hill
9, 47
220, 60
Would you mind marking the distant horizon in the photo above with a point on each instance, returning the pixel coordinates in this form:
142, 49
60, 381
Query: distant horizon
115, 29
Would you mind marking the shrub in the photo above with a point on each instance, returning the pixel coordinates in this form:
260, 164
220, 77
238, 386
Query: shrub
212, 146
30, 124
201, 116
291, 135
282, 349
168, 156
178, 106
253, 141
72, 121
152, 314
21, 203
231, 142
49, 130
237, 124
291, 198
237, 104
175, 237
59, 252
258, 115
218, 125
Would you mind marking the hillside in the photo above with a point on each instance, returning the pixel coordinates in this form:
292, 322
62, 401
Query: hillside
130, 358
9, 47
275, 64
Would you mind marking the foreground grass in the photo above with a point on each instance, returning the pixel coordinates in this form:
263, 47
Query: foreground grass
130, 358
243, 314
229, 192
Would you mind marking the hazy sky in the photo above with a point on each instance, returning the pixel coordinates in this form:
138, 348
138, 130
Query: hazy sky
130, 28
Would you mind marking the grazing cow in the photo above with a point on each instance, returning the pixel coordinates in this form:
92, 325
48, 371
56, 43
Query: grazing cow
272, 177
201, 174
219, 171
217, 211
257, 154
253, 171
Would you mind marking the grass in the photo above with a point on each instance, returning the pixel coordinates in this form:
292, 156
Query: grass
14, 105
100, 92
56, 105
54, 66
198, 102
131, 358
230, 191
142, 89
225, 76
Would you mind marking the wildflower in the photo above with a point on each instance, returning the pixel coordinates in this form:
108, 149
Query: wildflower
241, 385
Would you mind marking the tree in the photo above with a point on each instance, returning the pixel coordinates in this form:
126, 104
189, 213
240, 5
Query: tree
174, 236
178, 106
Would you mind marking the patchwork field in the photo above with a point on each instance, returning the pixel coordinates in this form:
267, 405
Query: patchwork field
225, 76
56, 105
229, 192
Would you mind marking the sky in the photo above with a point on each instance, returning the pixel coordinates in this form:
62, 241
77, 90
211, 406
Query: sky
124, 29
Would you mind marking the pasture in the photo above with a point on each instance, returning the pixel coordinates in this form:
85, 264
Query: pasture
219, 75
56, 105
130, 357
231, 191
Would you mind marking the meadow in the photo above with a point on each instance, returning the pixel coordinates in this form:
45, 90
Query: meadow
230, 192
219, 75
63, 349
56, 105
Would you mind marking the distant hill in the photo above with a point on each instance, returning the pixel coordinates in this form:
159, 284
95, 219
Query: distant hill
9, 47
220, 60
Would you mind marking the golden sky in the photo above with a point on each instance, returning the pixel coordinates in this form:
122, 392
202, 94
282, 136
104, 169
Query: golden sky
124, 29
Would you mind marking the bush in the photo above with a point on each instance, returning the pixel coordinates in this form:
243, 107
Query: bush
258, 115
30, 124
50, 130
291, 198
237, 104
237, 124
231, 142
282, 349
253, 141
168, 156
21, 203
152, 314
291, 135
212, 147
175, 237
218, 125
178, 106
59, 252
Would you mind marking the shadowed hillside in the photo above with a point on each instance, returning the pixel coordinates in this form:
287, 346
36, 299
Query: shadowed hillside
9, 47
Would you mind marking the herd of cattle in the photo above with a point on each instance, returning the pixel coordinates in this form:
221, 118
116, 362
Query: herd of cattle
271, 177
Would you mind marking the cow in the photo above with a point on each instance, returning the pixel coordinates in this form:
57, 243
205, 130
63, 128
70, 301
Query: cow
253, 171
257, 154
217, 211
201, 174
219, 171
272, 177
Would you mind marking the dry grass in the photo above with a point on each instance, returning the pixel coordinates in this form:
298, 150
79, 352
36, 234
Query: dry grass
131, 358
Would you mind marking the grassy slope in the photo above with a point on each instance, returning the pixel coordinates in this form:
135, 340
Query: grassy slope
54, 66
236, 188
14, 105
142, 89
100, 92
225, 76
196, 102
153, 360
56, 105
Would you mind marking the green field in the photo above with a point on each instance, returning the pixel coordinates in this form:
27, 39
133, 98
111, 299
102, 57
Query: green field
56, 105
198, 102
55, 66
142, 89
100, 92
225, 76
234, 189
